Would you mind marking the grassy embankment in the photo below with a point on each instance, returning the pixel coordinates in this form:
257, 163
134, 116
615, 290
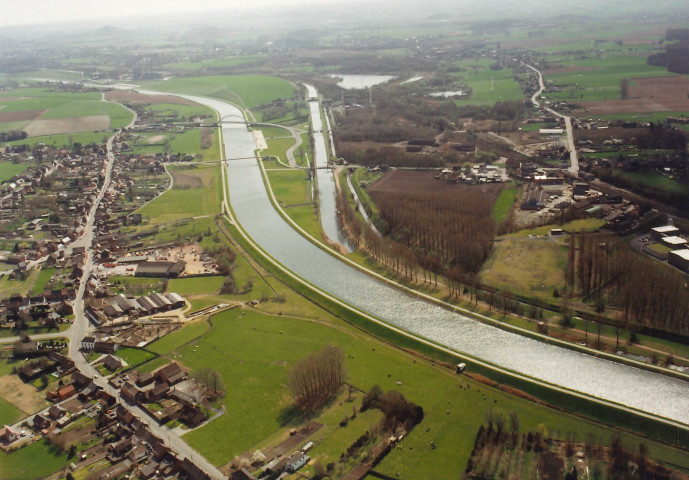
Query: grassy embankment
245, 90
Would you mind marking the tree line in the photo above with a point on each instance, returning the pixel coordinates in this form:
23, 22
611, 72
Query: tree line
393, 157
650, 294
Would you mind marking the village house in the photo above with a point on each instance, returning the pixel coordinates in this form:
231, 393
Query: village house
170, 374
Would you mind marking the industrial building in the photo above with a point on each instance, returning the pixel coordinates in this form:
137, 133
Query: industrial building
680, 259
665, 231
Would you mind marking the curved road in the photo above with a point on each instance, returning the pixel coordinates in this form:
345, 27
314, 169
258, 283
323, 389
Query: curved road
573, 159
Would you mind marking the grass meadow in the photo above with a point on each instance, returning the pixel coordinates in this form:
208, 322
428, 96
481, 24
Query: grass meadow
9, 170
22, 464
184, 200
254, 351
246, 90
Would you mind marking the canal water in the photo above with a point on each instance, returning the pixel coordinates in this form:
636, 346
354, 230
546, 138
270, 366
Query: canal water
633, 387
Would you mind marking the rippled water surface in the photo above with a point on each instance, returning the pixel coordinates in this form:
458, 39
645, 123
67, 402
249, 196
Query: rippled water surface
630, 386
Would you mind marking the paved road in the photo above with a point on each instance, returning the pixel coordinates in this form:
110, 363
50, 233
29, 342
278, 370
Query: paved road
82, 327
573, 158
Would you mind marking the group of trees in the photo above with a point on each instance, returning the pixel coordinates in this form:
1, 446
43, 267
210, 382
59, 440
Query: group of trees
394, 157
316, 378
211, 380
427, 234
446, 228
398, 411
659, 137
676, 55
613, 177
13, 135
650, 294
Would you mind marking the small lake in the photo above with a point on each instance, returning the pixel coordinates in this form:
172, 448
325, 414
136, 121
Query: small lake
353, 82
458, 93
411, 80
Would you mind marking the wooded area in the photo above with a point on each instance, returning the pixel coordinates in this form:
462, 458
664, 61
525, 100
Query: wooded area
650, 294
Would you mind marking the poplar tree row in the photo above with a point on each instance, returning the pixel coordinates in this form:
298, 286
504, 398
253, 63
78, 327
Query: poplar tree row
650, 294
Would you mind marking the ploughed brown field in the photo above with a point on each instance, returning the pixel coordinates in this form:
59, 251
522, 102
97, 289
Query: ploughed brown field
414, 181
131, 97
647, 95
20, 116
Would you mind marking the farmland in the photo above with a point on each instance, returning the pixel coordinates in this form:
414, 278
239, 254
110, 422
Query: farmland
253, 352
246, 90
182, 200
596, 79
43, 112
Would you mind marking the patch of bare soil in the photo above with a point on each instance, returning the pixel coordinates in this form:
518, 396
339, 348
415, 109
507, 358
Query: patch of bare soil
155, 139
55, 126
647, 95
20, 116
131, 97
23, 396
184, 180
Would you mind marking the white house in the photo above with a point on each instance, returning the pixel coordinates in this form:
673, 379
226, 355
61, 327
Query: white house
88, 343
296, 461
8, 435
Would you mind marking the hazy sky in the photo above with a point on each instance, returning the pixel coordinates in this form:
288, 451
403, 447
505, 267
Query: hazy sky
33, 12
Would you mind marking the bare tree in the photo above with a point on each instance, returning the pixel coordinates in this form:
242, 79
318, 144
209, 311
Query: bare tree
314, 379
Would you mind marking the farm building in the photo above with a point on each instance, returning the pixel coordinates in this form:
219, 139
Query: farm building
665, 231
150, 305
680, 259
551, 131
170, 373
160, 269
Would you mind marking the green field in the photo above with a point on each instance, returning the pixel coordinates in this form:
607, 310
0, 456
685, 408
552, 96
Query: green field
9, 414
490, 86
504, 202
24, 464
600, 78
196, 285
63, 104
526, 266
247, 90
651, 178
64, 140
291, 187
213, 63
134, 356
9, 170
253, 353
183, 201
42, 281
22, 287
